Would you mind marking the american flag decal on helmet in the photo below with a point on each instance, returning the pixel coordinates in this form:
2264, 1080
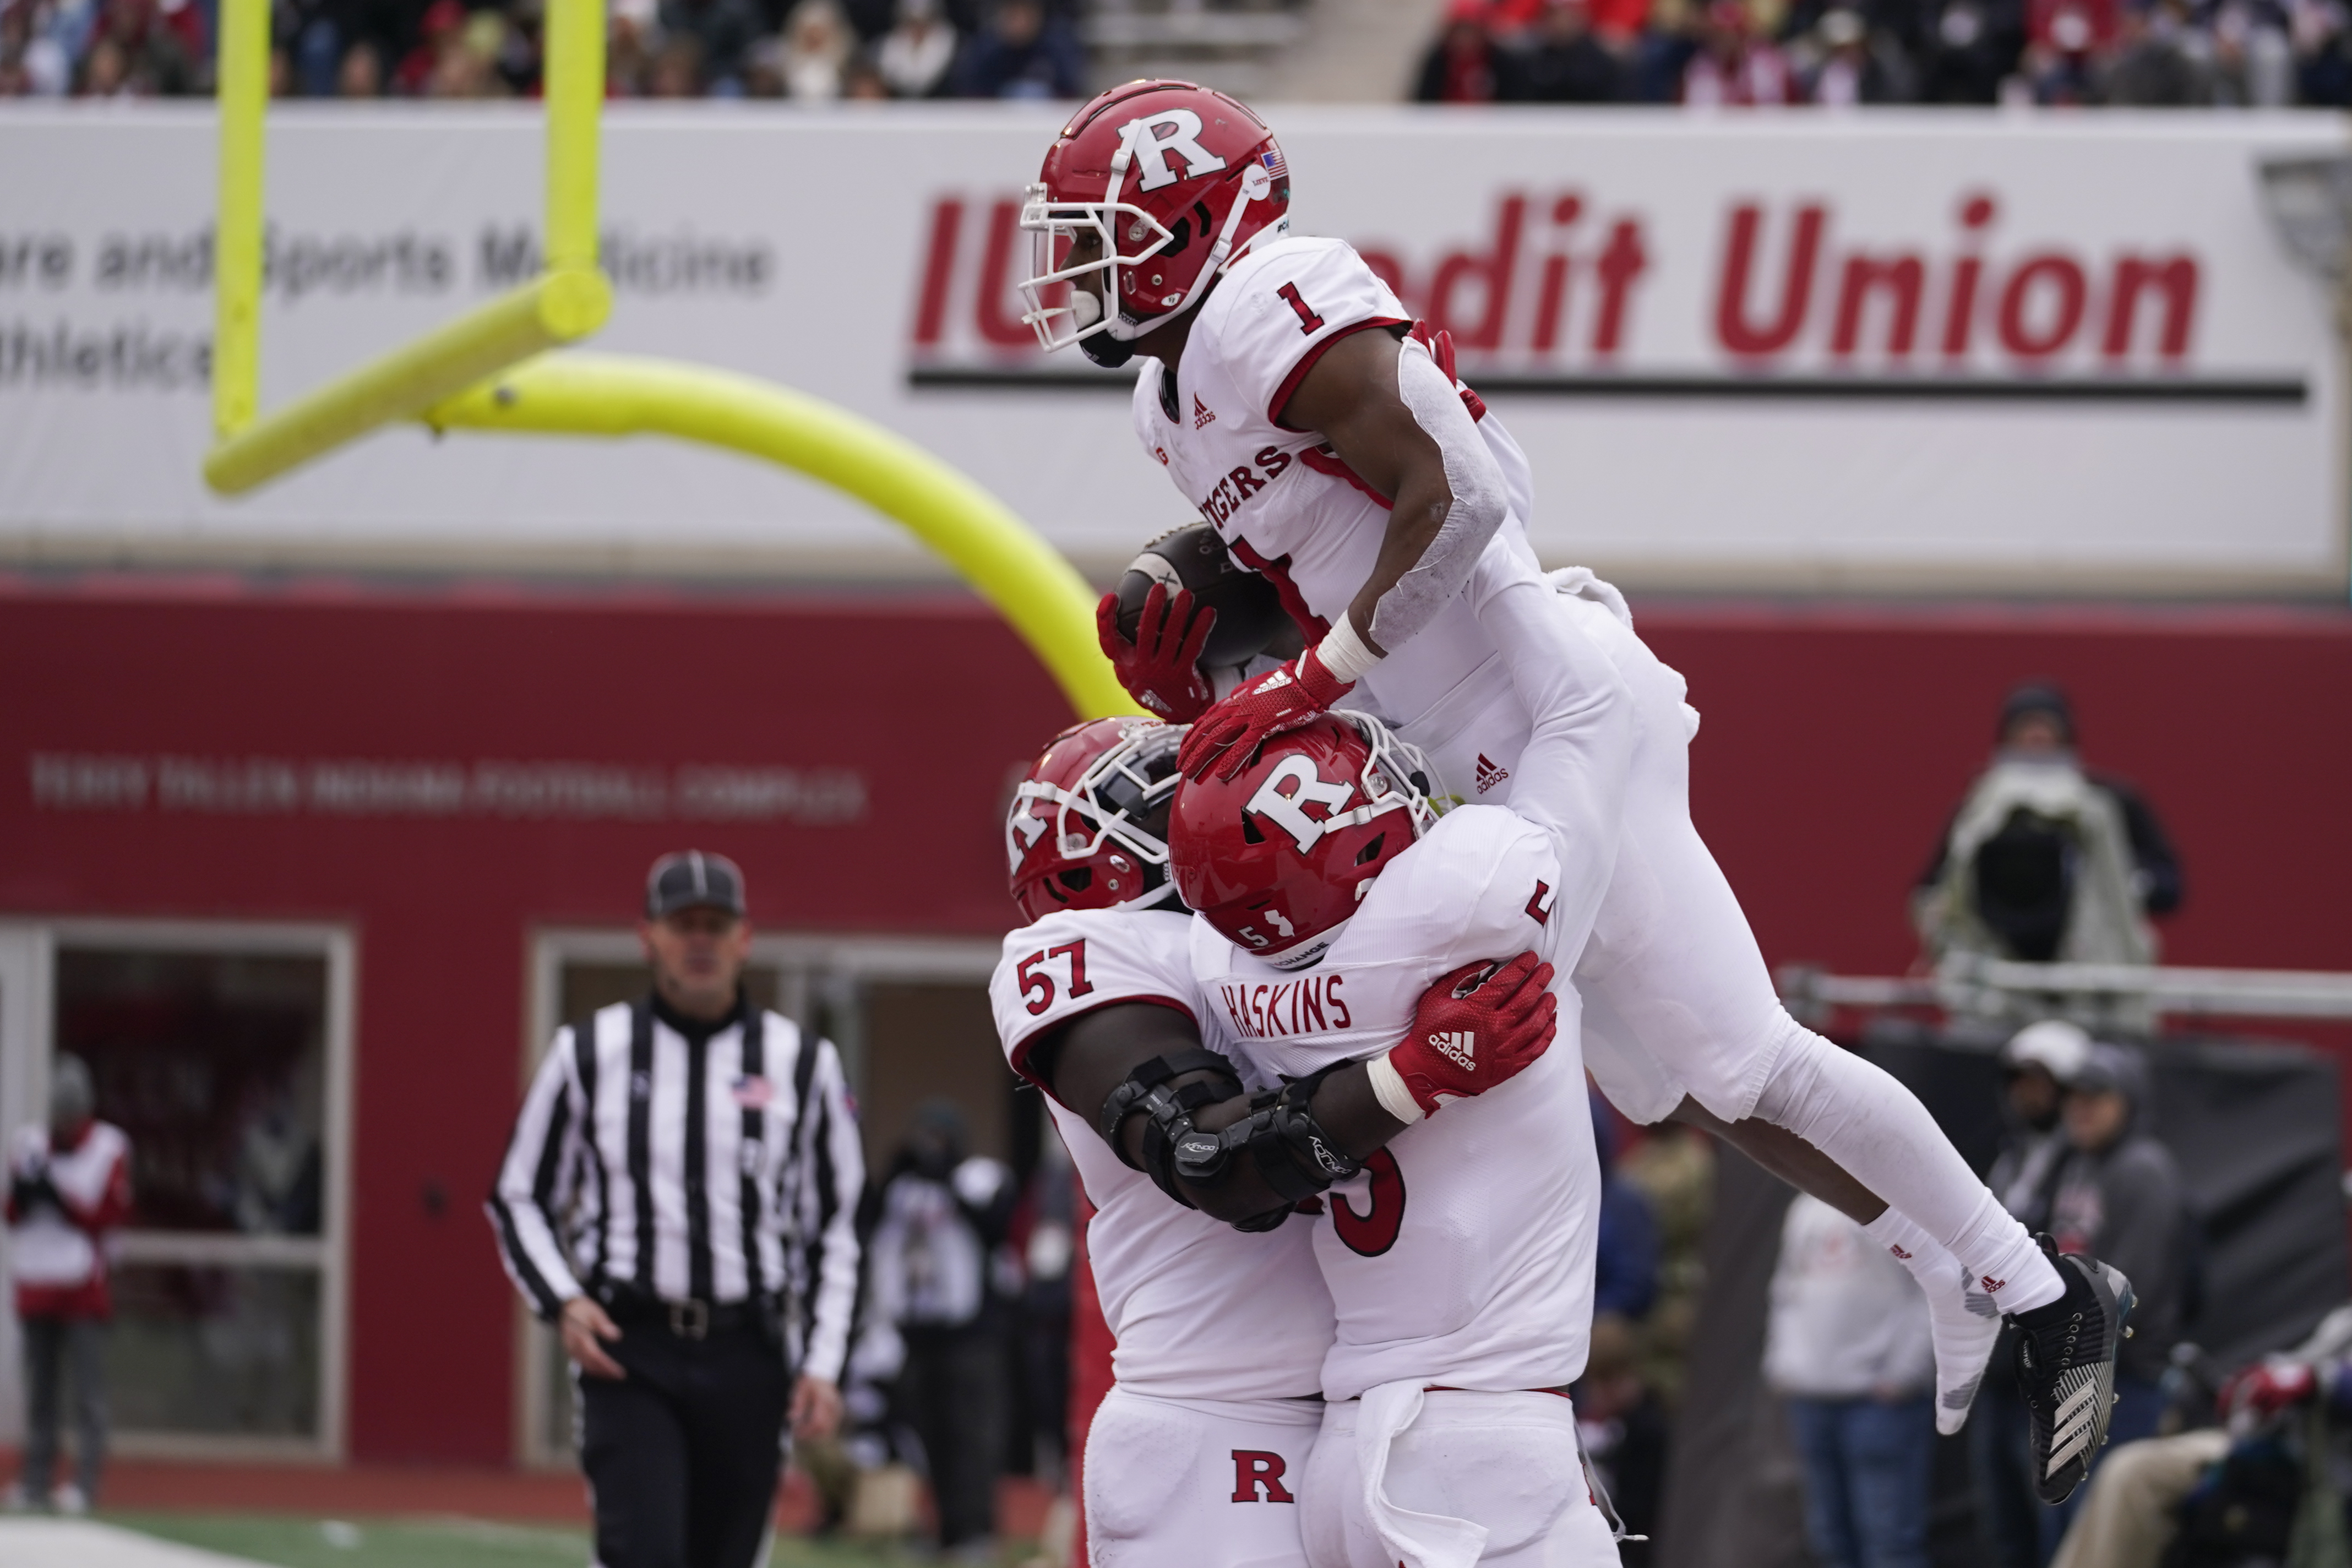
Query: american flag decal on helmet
1275, 163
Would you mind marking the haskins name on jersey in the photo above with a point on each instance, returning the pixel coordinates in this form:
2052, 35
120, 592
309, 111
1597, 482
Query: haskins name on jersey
1309, 1006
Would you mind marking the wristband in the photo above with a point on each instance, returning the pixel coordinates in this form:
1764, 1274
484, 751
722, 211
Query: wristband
1345, 654
1388, 1088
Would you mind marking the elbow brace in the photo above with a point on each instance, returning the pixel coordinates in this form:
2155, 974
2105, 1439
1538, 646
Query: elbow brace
1481, 500
1145, 1092
1292, 1153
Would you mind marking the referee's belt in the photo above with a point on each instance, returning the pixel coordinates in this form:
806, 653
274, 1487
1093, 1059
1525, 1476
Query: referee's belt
688, 1319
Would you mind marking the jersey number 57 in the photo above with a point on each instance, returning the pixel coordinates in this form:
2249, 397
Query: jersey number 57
1037, 981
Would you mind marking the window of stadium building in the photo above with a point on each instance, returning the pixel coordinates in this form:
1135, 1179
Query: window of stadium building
223, 1051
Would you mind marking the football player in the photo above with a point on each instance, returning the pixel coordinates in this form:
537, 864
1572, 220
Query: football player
1289, 396
1198, 1453
1460, 1259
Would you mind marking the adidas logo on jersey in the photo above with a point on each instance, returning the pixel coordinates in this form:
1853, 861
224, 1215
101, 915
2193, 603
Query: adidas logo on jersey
1457, 1048
1489, 774
1201, 414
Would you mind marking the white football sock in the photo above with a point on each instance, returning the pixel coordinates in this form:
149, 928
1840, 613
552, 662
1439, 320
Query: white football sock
1862, 1118
1963, 1320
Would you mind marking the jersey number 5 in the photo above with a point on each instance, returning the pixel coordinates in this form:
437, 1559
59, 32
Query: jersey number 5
1037, 985
1308, 322
1373, 1232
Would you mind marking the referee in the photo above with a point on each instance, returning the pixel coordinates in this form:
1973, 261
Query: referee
679, 1196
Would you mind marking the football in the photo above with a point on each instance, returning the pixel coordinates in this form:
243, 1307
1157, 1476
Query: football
1250, 617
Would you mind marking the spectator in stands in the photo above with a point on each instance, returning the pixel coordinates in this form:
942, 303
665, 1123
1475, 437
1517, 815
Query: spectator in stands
39, 43
723, 29
2057, 69
68, 1186
1846, 1344
917, 52
2041, 1062
1021, 52
943, 1213
1461, 66
439, 30
1854, 65
2151, 66
1734, 65
2254, 61
2044, 861
1561, 62
2323, 47
677, 69
818, 46
1973, 47
634, 34
2119, 1195
360, 75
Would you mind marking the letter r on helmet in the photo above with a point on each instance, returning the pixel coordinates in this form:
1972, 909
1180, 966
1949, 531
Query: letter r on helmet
1151, 138
1284, 811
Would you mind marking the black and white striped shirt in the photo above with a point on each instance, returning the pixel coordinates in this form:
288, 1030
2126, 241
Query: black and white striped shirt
689, 1163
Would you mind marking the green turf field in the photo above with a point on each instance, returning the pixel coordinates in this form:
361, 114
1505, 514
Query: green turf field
446, 1543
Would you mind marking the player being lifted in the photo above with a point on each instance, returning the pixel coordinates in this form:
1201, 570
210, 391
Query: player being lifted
1289, 396
1221, 1335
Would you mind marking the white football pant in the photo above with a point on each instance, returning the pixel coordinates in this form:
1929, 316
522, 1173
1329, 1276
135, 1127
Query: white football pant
1190, 1483
1461, 1478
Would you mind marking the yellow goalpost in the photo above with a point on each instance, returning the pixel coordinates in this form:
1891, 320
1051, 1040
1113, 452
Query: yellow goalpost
491, 369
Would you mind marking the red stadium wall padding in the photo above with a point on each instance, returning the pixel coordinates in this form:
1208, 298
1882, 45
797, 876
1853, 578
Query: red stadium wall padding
1835, 742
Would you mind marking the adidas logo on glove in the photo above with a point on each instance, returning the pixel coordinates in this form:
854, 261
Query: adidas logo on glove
1456, 1048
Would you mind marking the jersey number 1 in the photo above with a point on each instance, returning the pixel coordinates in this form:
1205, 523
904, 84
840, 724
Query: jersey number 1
1037, 985
1308, 322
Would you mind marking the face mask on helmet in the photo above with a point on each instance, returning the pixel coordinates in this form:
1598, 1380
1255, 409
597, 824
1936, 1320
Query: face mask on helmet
1150, 191
1278, 859
1089, 825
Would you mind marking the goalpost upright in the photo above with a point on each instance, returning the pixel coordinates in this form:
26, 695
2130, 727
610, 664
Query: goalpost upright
491, 369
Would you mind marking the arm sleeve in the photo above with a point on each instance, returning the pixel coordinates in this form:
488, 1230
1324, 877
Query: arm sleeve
833, 1172
541, 1156
1481, 500
1572, 775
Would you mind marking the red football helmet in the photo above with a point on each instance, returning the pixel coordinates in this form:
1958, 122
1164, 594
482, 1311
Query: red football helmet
1279, 858
1089, 828
1172, 183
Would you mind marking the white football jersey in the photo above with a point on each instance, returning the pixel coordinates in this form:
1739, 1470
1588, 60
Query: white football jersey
1199, 1310
1463, 1254
1283, 501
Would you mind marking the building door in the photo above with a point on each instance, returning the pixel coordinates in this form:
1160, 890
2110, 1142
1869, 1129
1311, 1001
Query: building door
224, 1050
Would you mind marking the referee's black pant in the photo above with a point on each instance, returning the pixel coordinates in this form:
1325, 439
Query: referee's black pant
682, 1455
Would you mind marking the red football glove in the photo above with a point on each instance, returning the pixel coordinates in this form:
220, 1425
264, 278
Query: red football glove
2264, 1390
1279, 699
1161, 669
1476, 1028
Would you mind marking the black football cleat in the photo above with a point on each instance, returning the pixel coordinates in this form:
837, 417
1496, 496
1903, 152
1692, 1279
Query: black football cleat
2066, 1369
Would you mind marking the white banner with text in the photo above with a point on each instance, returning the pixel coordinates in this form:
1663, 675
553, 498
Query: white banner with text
1796, 351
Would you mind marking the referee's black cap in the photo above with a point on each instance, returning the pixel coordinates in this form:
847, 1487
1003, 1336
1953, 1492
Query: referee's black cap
693, 879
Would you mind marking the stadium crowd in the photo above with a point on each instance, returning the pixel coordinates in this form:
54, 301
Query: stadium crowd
2230, 53
1838, 53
